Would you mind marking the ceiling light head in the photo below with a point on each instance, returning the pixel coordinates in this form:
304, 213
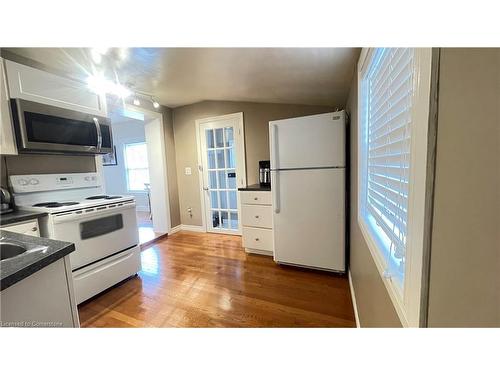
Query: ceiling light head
155, 103
137, 101
101, 85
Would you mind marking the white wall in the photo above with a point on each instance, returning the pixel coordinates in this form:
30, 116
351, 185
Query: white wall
125, 131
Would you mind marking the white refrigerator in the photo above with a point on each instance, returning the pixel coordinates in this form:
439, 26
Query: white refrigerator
308, 189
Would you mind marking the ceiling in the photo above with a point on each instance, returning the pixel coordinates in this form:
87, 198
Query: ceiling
180, 76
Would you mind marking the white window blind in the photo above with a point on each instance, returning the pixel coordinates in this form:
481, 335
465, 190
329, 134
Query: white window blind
394, 86
387, 115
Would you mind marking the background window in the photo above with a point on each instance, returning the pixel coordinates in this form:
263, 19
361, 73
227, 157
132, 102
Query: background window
387, 91
136, 164
393, 97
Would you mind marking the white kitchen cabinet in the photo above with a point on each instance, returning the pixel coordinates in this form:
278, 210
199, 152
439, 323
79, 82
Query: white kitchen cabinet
7, 140
39, 86
29, 227
257, 222
43, 299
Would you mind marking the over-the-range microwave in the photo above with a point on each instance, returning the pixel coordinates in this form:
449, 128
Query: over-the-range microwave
45, 129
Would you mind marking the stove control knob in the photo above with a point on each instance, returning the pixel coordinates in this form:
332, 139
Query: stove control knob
34, 181
23, 182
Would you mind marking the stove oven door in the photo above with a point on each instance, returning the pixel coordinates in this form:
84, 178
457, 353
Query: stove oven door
97, 232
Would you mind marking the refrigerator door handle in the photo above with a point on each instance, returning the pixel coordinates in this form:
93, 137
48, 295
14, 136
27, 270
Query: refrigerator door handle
274, 147
276, 192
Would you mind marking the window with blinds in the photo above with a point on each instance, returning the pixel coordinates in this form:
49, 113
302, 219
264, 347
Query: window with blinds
386, 108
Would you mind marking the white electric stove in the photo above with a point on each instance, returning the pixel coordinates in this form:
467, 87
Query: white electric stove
102, 227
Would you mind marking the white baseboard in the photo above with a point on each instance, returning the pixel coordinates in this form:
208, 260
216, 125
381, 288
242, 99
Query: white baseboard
354, 304
193, 228
259, 252
175, 229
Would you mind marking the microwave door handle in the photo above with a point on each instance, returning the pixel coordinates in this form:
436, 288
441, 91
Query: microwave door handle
99, 134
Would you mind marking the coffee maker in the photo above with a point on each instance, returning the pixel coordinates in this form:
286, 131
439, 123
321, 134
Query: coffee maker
265, 173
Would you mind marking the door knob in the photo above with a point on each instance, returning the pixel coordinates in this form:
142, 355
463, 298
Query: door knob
205, 188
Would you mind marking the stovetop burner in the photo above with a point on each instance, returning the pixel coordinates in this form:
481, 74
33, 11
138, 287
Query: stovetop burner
104, 197
54, 204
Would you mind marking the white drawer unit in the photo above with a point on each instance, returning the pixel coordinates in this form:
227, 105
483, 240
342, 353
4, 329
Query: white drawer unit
30, 228
258, 239
257, 222
256, 197
257, 216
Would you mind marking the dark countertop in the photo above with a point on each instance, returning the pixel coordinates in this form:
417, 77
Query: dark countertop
18, 216
255, 187
41, 252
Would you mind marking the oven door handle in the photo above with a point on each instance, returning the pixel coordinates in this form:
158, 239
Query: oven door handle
74, 216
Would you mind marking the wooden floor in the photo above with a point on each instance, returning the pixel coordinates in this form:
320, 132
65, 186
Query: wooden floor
207, 280
145, 227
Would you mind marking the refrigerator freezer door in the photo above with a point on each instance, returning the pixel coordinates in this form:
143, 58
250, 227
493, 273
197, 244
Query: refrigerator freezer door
309, 228
308, 142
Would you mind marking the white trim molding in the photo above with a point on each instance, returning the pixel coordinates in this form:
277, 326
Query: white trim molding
175, 229
193, 228
353, 298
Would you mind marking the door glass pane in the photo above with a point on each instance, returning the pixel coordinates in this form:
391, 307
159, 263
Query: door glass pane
233, 202
215, 219
212, 179
223, 199
225, 219
231, 181
219, 138
220, 159
213, 199
229, 136
221, 176
222, 179
231, 163
210, 138
234, 220
211, 159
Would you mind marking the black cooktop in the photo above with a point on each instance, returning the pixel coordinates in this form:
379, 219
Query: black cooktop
55, 204
104, 197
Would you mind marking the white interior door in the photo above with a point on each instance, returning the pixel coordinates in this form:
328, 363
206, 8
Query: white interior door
223, 171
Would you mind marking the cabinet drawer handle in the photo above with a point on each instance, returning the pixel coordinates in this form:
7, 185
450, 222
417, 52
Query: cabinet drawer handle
256, 199
256, 216
256, 239
34, 229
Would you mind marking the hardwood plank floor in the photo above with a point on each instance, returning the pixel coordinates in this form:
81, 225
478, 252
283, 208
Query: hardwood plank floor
207, 280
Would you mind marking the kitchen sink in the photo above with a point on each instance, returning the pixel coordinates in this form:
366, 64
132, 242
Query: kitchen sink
10, 250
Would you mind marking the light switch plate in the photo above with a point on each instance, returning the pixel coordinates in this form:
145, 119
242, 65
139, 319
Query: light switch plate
187, 171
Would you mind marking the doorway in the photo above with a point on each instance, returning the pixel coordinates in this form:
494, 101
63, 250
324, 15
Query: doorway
221, 160
138, 168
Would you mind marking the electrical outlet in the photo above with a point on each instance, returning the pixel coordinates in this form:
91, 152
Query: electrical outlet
187, 171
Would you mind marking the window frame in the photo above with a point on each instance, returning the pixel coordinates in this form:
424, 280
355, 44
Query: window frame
127, 168
408, 302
